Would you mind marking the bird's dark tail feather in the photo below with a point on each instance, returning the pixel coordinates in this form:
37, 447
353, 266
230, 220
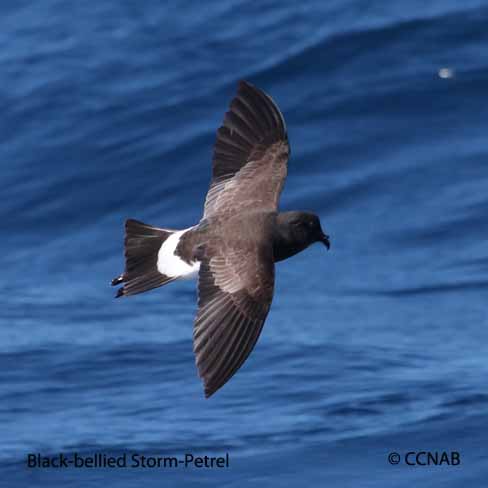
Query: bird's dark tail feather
142, 244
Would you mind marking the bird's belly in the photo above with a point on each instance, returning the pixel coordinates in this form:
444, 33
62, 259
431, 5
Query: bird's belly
193, 273
171, 264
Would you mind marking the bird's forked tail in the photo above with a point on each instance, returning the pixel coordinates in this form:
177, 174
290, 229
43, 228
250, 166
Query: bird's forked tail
142, 245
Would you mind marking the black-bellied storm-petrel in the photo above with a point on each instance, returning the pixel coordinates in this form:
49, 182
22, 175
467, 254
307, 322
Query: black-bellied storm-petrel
235, 245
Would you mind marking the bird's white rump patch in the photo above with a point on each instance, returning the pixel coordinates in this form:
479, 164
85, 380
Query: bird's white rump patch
172, 265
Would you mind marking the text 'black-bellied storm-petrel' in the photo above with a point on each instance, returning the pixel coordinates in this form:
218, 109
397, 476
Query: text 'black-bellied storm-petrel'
236, 243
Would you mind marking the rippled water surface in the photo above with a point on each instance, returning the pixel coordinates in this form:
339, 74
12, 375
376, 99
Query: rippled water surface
109, 111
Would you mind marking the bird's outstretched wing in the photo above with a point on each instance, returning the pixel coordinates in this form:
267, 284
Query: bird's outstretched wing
235, 290
250, 157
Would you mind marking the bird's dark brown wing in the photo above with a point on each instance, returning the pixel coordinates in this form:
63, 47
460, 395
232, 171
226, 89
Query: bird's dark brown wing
250, 156
235, 290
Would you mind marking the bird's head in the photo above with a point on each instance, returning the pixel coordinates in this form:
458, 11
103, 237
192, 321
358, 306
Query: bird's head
304, 228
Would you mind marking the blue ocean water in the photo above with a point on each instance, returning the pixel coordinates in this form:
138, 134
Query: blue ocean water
109, 111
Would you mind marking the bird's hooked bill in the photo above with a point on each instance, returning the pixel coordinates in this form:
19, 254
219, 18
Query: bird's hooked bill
325, 240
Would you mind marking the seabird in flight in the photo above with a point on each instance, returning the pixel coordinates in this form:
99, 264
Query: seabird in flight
236, 243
